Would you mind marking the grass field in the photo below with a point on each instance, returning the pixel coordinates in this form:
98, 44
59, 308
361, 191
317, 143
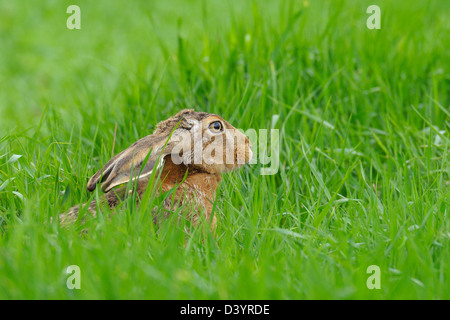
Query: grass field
364, 119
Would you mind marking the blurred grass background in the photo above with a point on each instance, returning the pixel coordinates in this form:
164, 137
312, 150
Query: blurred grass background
364, 120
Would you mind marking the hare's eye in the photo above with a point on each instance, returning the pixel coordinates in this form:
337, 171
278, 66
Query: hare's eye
216, 126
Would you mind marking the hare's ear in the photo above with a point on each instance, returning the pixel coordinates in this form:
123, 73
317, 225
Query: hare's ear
129, 164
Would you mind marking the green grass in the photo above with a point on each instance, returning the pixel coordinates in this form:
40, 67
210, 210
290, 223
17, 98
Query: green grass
364, 121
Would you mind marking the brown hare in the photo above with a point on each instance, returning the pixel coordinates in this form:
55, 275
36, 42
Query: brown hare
190, 151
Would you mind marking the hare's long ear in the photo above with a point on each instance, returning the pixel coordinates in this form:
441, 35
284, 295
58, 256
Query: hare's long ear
128, 164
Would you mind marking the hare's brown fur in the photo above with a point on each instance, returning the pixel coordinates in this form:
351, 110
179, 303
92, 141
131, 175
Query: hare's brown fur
195, 183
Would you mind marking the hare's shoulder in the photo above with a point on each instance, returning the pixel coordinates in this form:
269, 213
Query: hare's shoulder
188, 179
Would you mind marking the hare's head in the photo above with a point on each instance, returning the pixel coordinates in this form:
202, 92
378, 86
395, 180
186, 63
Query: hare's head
198, 140
205, 141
